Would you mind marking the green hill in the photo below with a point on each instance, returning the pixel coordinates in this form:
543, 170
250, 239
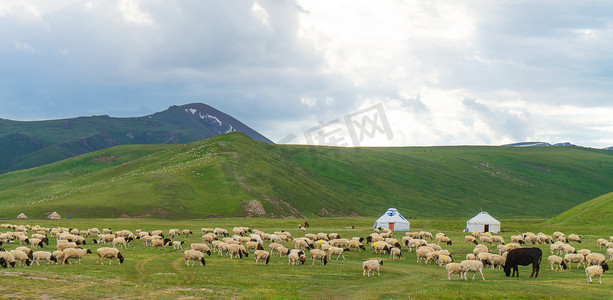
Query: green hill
233, 175
596, 212
26, 145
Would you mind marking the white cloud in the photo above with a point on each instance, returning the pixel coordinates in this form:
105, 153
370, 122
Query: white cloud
21, 46
260, 13
132, 13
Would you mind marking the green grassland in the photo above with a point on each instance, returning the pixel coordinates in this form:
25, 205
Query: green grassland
161, 273
596, 212
233, 176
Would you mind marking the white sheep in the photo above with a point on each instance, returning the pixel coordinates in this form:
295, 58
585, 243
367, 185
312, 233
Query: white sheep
395, 253
371, 265
444, 260
121, 241
337, 251
557, 261
201, 247
497, 261
610, 253
76, 253
59, 256
574, 258
177, 245
601, 243
194, 255
319, 255
594, 259
596, 271
574, 238
21, 257
110, 253
454, 268
261, 254
296, 256
472, 266
43, 255
470, 256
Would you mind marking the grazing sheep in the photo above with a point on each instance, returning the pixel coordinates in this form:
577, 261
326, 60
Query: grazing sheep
8, 258
21, 257
282, 251
76, 253
25, 250
381, 246
254, 245
261, 254
66, 245
610, 253
472, 266
454, 268
239, 250
201, 247
594, 259
574, 258
422, 253
470, 239
173, 232
497, 239
444, 259
601, 243
371, 265
470, 256
497, 261
356, 244
121, 241
274, 246
194, 255
596, 271
395, 253
220, 232
319, 255
584, 252
557, 261
59, 256
186, 232
503, 248
177, 245
337, 251
303, 243
296, 256
209, 238
43, 255
110, 253
160, 243
574, 238
480, 248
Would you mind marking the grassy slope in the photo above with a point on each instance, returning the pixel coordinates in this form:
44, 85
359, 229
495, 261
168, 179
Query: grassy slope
596, 212
216, 177
161, 274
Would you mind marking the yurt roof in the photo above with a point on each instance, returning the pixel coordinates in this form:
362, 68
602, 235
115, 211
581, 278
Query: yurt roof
483, 218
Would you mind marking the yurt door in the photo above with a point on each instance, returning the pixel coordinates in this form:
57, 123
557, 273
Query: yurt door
391, 226
486, 228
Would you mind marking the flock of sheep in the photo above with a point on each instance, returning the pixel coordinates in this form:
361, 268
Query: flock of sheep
242, 241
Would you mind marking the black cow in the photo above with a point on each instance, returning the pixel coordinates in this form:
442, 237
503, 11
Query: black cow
524, 257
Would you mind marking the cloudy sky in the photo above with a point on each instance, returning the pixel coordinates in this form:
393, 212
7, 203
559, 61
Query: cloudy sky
433, 72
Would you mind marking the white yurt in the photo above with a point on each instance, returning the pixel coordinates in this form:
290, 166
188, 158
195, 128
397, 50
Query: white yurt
54, 215
22, 216
393, 220
483, 222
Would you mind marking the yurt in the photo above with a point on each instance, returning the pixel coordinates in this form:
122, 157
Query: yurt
22, 216
54, 215
483, 222
393, 220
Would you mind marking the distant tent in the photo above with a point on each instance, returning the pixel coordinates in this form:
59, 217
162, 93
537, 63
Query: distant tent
483, 222
393, 220
54, 215
22, 216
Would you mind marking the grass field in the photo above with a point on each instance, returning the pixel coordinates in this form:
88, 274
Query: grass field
161, 274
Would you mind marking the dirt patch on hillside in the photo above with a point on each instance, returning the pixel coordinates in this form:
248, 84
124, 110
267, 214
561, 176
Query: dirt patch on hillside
354, 214
105, 158
254, 208
124, 215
